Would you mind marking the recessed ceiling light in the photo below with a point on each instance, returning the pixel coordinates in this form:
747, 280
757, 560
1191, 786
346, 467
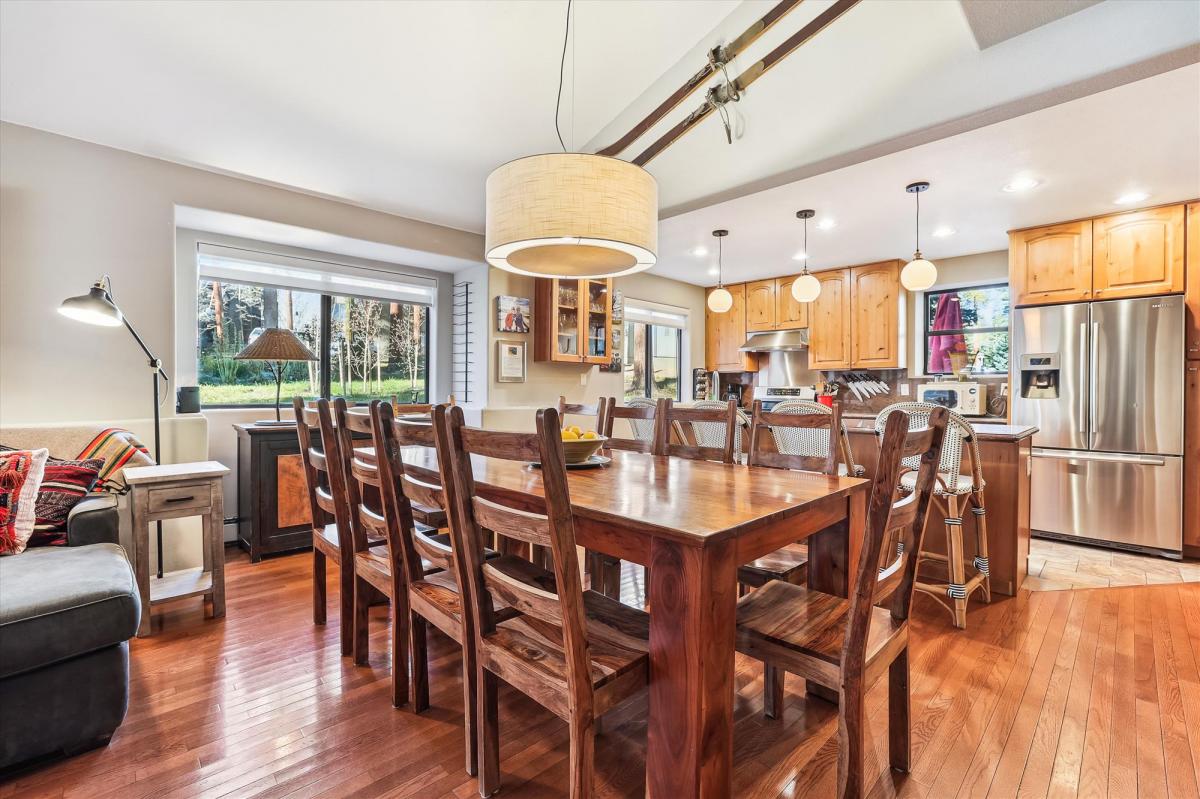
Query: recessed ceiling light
1131, 198
1020, 184
699, 252
827, 224
943, 232
800, 256
714, 271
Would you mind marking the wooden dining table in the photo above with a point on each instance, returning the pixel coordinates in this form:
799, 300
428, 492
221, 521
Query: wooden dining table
693, 523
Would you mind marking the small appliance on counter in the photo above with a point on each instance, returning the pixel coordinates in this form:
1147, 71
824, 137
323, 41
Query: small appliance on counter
704, 384
966, 397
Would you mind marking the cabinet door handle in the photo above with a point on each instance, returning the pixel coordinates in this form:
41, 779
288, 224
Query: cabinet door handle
180, 499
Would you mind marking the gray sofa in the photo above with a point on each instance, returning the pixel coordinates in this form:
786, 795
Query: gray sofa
66, 617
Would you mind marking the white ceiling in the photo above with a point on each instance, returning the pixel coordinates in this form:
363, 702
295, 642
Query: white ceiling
1143, 136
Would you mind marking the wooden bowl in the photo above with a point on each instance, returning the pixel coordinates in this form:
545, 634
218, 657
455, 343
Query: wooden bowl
579, 450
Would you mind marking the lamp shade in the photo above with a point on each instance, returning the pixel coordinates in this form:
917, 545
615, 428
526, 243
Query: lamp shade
720, 300
94, 308
918, 274
571, 215
806, 288
276, 344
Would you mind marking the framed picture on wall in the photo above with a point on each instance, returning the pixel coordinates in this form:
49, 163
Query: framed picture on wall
618, 335
512, 314
510, 361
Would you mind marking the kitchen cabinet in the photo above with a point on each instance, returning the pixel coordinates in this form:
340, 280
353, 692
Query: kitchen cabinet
760, 306
830, 322
1191, 459
1051, 264
1138, 254
725, 333
789, 313
877, 306
1192, 283
573, 320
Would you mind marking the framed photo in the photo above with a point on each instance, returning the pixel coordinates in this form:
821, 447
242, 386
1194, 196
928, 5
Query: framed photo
512, 314
510, 361
618, 306
618, 334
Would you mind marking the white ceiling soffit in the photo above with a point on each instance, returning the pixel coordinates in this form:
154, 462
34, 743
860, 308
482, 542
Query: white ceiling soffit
889, 75
1141, 137
993, 22
246, 227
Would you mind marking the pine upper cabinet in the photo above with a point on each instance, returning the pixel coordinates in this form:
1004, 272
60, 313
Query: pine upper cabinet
725, 333
1138, 254
760, 306
830, 322
1192, 342
789, 314
1051, 264
572, 320
877, 303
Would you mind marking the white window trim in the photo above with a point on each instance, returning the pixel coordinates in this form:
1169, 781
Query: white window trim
668, 314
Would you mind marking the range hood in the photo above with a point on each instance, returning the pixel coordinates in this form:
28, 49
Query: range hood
777, 341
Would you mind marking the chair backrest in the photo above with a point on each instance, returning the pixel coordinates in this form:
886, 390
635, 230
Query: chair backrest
814, 442
316, 466
399, 408
712, 434
892, 515
725, 417
472, 515
960, 436
640, 417
400, 490
581, 409
769, 427
331, 463
361, 477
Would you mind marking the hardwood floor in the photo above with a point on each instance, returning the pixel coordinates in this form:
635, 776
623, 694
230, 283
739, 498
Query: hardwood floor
1086, 693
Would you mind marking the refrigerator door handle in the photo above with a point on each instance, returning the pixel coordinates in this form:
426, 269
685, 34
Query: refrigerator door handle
1083, 377
1102, 457
1093, 351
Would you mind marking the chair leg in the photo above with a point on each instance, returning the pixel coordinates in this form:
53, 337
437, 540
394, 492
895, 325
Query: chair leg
489, 732
346, 593
470, 708
851, 750
583, 757
400, 632
418, 630
360, 631
899, 731
981, 543
319, 590
954, 563
772, 691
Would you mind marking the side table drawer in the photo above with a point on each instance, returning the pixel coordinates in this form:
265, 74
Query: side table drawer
176, 498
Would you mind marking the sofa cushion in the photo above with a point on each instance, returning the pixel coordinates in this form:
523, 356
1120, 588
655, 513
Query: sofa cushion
59, 602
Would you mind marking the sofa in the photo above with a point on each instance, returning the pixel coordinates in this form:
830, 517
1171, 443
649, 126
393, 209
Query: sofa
66, 616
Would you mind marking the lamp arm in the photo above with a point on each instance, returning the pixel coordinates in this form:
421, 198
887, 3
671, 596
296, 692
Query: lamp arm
106, 283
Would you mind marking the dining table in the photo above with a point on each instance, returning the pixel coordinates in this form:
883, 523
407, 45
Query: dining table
692, 523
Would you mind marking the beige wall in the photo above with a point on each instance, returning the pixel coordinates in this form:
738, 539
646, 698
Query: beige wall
511, 405
966, 270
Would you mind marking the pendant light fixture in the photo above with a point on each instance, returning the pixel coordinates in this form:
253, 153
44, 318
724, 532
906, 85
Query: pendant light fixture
806, 288
574, 215
918, 274
719, 299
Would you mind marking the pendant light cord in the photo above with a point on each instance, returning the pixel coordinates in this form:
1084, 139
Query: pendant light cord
806, 245
918, 230
561, 65
720, 262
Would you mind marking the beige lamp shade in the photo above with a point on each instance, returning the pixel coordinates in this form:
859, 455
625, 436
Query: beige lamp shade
276, 344
571, 215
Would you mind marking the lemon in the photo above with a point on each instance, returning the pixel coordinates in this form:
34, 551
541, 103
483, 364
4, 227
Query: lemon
591, 434
575, 429
570, 435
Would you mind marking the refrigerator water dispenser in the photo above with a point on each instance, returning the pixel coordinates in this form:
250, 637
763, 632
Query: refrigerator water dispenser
1039, 376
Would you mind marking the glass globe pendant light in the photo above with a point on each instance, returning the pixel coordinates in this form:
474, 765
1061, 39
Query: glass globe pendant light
806, 288
918, 274
719, 299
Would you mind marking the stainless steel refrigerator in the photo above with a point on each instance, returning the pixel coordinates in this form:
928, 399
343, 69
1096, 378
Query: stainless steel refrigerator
1103, 382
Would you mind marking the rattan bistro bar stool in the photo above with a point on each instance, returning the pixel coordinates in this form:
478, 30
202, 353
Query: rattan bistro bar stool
956, 492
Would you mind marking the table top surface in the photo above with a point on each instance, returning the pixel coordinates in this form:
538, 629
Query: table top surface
172, 472
697, 501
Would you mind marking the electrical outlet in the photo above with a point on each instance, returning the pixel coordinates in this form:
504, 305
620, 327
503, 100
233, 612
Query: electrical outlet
903, 389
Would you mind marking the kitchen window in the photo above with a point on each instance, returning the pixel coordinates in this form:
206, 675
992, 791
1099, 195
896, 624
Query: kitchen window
652, 352
967, 327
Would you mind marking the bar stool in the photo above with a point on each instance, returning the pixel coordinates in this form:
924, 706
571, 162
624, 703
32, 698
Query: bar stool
956, 493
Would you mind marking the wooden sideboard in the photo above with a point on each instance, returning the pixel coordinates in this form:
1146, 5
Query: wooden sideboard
272, 498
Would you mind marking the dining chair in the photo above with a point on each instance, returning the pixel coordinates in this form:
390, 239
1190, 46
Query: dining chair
956, 493
596, 411
639, 415
799, 442
399, 408
668, 415
846, 644
713, 433
575, 652
330, 522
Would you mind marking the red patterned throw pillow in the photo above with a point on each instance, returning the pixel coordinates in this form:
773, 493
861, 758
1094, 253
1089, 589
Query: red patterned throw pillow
20, 476
64, 484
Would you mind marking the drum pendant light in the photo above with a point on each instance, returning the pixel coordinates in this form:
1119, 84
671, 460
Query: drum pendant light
918, 274
806, 288
719, 299
574, 215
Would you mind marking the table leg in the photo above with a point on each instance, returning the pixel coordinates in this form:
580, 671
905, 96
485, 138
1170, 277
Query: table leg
832, 559
689, 749
139, 501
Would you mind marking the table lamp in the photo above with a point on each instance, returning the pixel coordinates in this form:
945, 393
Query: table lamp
276, 346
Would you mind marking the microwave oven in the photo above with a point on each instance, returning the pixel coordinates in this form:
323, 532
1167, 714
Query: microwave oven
969, 399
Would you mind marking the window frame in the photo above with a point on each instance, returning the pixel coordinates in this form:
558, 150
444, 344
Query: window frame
648, 355
926, 332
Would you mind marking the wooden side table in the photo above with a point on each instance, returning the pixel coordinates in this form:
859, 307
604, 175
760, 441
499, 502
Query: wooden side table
175, 491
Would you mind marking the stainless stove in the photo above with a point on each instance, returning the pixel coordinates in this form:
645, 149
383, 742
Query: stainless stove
773, 395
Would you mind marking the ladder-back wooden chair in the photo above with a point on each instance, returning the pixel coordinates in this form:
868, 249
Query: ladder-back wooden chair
712, 434
576, 652
726, 417
813, 442
639, 415
596, 411
846, 644
954, 492
401, 408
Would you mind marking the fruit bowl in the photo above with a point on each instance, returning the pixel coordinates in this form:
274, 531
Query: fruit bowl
578, 450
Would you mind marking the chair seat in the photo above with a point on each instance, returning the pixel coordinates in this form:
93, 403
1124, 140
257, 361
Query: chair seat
793, 623
788, 563
965, 484
859, 470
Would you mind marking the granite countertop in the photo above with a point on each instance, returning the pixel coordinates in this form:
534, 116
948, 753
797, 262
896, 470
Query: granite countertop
984, 431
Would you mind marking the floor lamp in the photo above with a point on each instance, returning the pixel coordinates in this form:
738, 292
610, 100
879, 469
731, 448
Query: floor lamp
98, 308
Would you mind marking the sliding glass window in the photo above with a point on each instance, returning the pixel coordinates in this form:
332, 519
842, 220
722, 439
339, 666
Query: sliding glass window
653, 353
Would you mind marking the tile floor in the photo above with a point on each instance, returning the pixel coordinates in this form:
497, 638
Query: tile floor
1058, 566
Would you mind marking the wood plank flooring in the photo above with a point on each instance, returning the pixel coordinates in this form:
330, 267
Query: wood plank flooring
1086, 693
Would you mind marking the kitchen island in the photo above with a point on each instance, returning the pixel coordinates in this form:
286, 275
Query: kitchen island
1004, 451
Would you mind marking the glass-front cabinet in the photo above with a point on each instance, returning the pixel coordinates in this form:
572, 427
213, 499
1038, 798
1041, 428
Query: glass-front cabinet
573, 320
